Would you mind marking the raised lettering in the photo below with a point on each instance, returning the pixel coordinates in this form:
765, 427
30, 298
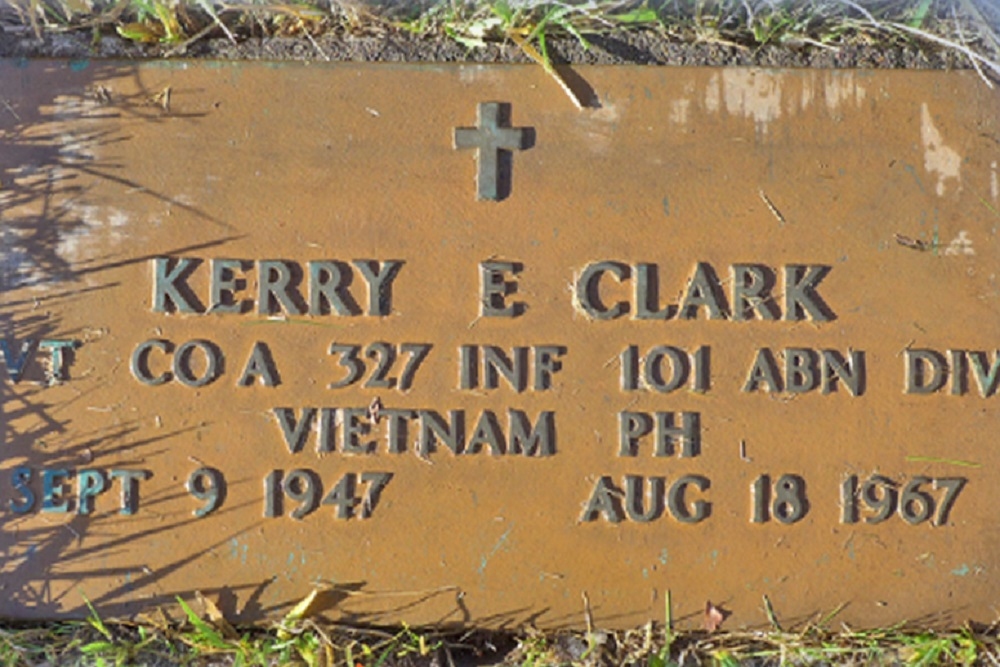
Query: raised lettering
703, 291
537, 440
604, 500
752, 285
699, 510
647, 294
130, 489
295, 431
15, 366
801, 297
588, 290
57, 362
926, 371
170, 285
275, 286
328, 288
139, 364
763, 372
90, 483
379, 276
223, 286
433, 429
495, 288
487, 432
260, 366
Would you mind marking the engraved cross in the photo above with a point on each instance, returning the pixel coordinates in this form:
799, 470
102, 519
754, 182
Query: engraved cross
494, 139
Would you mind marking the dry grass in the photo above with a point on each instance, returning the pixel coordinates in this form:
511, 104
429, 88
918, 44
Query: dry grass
201, 641
968, 27
965, 31
203, 637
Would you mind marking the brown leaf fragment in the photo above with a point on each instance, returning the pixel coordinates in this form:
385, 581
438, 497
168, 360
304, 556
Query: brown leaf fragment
216, 617
907, 242
302, 610
141, 32
375, 410
162, 99
714, 616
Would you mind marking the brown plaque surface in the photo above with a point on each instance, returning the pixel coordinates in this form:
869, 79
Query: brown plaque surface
438, 343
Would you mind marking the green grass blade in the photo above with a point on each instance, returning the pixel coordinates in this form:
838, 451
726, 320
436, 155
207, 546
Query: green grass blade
920, 14
205, 631
643, 15
95, 620
503, 10
98, 647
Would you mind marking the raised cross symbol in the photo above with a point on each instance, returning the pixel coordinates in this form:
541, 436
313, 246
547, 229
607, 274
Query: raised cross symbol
494, 140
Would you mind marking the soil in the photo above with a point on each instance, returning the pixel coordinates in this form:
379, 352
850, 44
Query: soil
616, 48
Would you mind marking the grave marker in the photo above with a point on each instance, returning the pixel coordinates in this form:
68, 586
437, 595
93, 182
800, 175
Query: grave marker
733, 333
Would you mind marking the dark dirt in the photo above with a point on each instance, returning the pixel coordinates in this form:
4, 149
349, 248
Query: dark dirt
631, 47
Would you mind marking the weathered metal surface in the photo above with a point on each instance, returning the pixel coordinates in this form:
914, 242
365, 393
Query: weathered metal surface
282, 281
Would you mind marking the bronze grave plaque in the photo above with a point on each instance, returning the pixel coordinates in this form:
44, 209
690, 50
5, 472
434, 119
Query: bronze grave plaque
433, 341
